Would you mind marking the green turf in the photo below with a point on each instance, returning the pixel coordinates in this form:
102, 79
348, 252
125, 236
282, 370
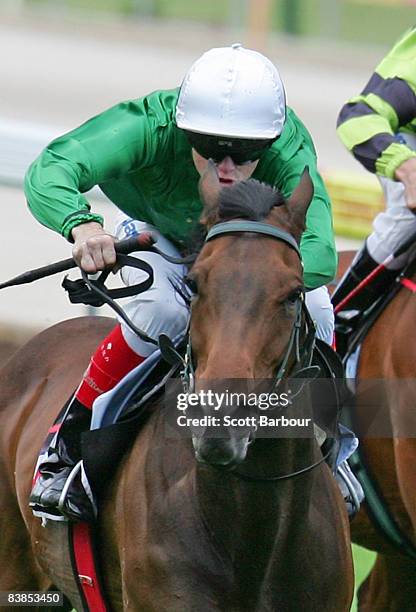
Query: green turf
351, 20
363, 562
363, 21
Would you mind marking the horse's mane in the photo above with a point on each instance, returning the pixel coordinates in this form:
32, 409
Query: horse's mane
248, 199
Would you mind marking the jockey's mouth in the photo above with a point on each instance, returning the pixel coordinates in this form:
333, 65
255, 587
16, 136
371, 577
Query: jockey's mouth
227, 181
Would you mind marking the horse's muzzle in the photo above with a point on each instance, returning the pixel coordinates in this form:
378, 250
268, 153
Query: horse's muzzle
219, 451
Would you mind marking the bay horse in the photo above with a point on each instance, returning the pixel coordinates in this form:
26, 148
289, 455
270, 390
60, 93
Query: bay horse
180, 531
388, 355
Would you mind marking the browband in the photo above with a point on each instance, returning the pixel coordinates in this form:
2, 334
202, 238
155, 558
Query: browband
256, 227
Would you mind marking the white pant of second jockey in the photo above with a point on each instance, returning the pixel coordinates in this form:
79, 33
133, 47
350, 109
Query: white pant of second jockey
394, 226
161, 310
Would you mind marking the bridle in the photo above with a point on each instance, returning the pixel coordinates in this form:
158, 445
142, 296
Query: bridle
302, 355
303, 322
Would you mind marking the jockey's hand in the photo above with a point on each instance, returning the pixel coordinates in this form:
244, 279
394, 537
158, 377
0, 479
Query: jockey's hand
93, 248
406, 173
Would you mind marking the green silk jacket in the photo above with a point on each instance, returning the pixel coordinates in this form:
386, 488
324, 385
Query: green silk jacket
142, 162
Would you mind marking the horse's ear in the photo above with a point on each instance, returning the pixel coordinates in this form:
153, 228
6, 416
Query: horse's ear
209, 191
298, 203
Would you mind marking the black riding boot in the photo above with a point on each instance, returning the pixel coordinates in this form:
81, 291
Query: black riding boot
360, 268
47, 491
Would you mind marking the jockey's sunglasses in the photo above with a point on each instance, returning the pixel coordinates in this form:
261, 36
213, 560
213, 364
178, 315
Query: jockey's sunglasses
242, 151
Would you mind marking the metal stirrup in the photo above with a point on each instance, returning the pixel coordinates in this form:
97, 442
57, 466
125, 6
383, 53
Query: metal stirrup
350, 487
74, 473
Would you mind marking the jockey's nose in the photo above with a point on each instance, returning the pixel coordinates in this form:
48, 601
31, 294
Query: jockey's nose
226, 165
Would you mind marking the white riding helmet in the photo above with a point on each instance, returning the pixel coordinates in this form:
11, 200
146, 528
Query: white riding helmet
235, 92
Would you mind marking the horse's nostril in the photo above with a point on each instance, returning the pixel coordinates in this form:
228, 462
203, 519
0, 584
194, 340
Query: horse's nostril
219, 452
217, 460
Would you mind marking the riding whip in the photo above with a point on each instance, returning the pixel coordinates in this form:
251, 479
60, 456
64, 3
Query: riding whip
141, 242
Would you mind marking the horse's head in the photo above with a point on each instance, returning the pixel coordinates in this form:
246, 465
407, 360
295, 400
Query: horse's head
247, 287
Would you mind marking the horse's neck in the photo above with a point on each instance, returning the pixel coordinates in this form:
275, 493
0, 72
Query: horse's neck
244, 516
235, 528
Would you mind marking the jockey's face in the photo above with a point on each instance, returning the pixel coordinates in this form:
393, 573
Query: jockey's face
228, 172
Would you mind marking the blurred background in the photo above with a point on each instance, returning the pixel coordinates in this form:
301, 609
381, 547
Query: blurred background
63, 61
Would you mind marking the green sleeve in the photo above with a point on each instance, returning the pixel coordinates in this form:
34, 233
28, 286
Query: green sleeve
318, 242
111, 144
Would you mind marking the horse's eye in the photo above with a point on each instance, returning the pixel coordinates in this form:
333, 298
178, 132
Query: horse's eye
293, 296
191, 283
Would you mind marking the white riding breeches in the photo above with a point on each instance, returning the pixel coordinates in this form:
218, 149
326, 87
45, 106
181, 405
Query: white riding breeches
161, 310
394, 226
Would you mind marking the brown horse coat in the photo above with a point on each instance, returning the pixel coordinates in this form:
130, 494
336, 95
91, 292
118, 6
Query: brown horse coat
179, 535
176, 563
